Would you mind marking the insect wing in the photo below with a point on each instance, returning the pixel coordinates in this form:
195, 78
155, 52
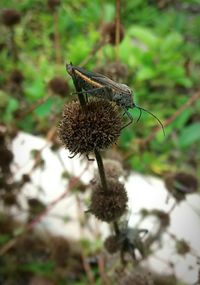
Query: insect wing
101, 79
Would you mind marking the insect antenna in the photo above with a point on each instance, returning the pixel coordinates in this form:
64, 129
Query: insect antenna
142, 109
140, 115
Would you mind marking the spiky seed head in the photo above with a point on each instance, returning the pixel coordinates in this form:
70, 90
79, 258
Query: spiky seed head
96, 127
112, 244
109, 205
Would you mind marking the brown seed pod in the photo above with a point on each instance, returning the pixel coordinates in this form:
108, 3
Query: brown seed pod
96, 127
180, 184
162, 216
117, 71
10, 17
113, 169
53, 4
112, 244
16, 77
182, 247
6, 159
108, 32
59, 86
109, 205
26, 178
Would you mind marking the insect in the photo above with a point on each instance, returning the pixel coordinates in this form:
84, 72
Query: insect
103, 87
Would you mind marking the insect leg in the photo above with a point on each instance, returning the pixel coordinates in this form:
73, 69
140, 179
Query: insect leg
130, 117
72, 156
86, 97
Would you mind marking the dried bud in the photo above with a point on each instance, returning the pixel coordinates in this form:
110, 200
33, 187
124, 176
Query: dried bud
96, 127
53, 4
182, 247
35, 206
181, 184
117, 71
16, 77
109, 33
59, 86
26, 178
112, 244
162, 216
113, 169
10, 17
109, 205
9, 199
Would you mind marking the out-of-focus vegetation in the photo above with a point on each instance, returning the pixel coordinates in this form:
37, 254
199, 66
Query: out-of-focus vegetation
158, 57
159, 53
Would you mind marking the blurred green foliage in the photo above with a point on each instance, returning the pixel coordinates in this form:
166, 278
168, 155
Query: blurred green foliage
161, 52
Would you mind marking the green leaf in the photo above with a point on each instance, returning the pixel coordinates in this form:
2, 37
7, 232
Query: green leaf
4, 238
45, 108
190, 135
182, 119
144, 35
39, 267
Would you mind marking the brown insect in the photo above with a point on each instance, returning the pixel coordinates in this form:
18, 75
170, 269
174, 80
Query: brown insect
100, 86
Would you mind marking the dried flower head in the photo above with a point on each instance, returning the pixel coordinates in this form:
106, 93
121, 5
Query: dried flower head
59, 86
16, 76
96, 127
180, 184
53, 4
182, 247
10, 17
112, 244
109, 32
162, 216
6, 159
111, 204
26, 178
117, 71
113, 169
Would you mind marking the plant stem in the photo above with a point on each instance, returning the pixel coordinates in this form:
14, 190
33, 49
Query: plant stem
101, 169
13, 45
116, 228
57, 38
117, 29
